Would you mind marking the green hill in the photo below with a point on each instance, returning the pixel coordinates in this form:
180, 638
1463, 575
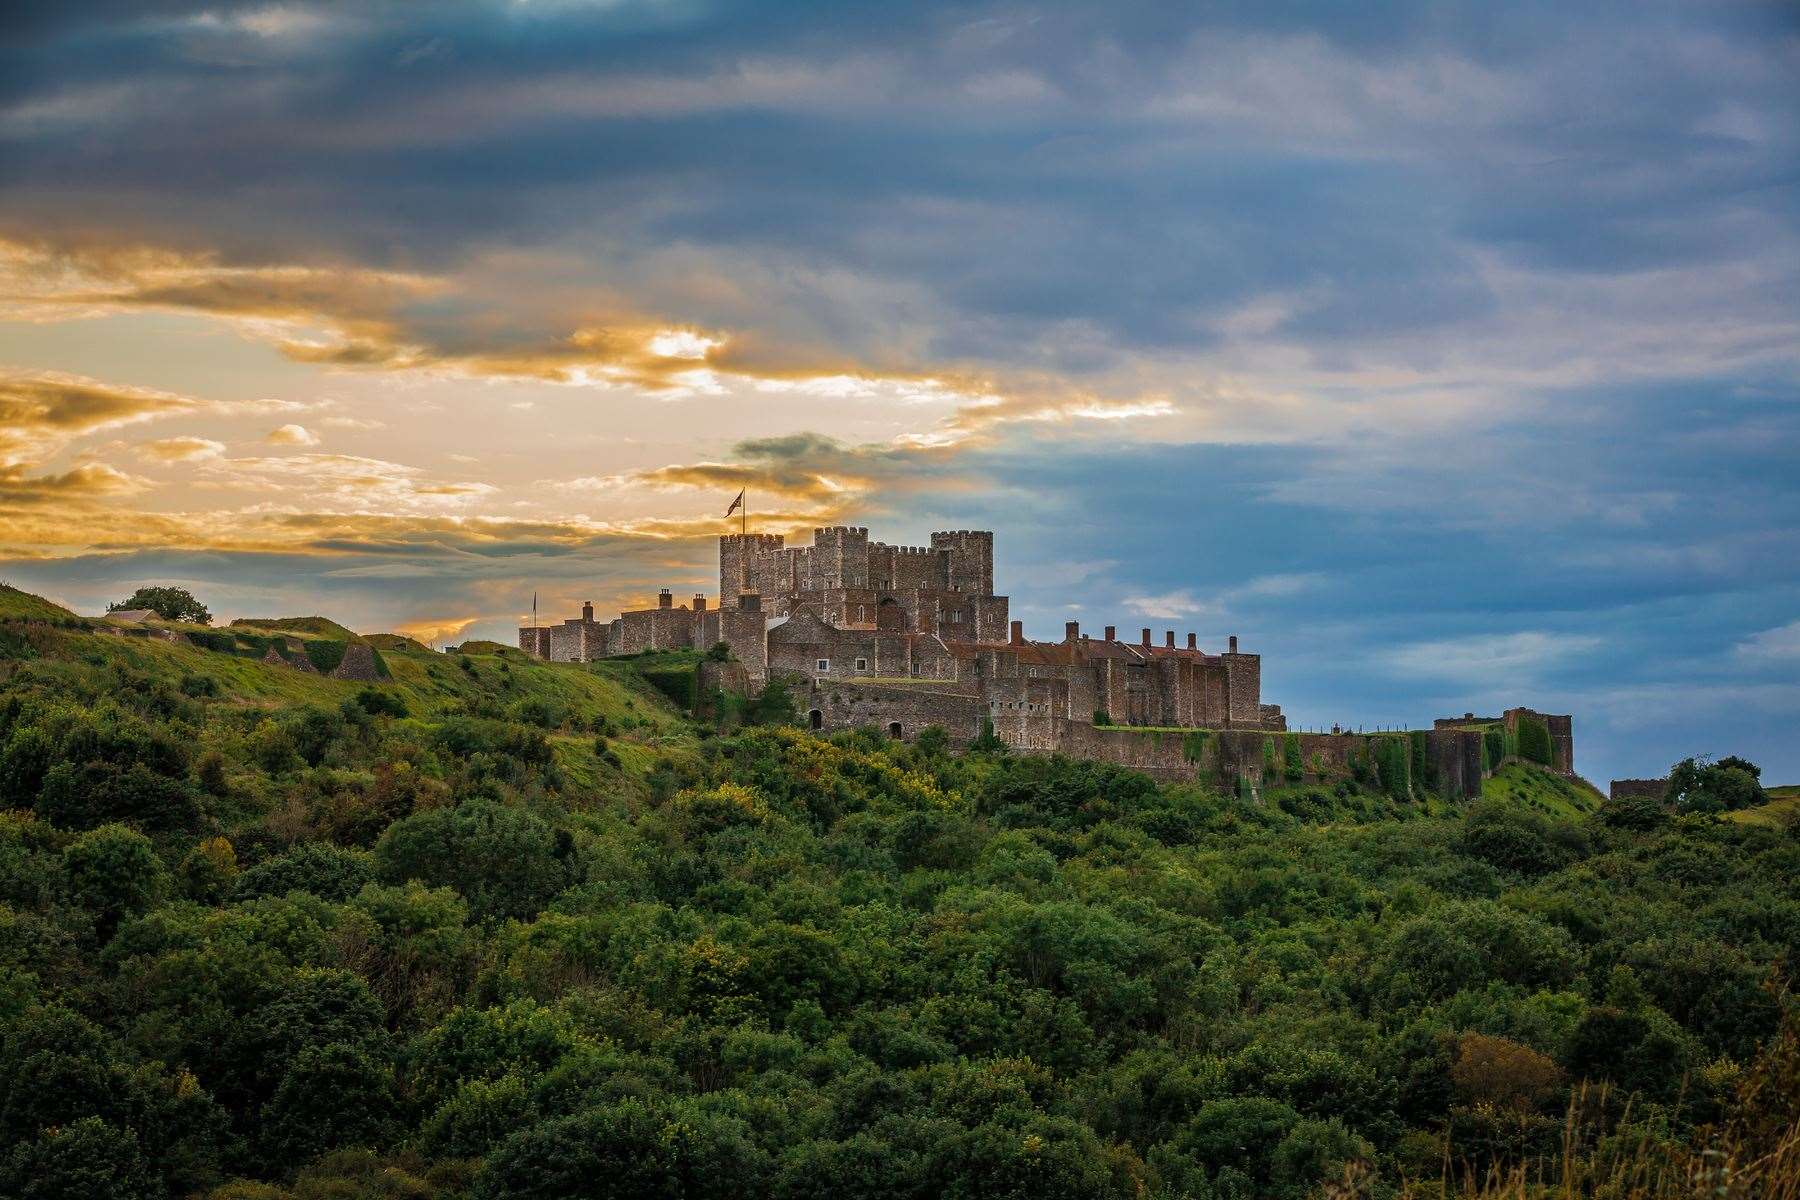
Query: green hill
396, 641
1782, 809
313, 626
1542, 791
16, 605
496, 927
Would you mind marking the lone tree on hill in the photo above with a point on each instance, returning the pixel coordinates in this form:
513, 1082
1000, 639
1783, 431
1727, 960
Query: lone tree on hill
169, 603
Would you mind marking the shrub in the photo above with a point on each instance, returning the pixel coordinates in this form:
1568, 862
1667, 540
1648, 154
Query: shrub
327, 871
504, 861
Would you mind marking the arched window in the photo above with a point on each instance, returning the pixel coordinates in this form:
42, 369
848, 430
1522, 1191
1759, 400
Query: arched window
894, 730
817, 719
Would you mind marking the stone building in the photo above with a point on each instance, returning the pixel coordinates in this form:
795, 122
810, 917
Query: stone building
904, 637
922, 628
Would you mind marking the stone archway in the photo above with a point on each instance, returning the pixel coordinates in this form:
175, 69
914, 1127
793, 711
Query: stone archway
894, 730
816, 719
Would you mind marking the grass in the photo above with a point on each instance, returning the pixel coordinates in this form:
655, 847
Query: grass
395, 641
1542, 791
1782, 808
315, 626
23, 606
433, 685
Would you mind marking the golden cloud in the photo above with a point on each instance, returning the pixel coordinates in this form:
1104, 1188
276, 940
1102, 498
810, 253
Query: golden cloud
87, 481
292, 435
179, 450
360, 318
41, 412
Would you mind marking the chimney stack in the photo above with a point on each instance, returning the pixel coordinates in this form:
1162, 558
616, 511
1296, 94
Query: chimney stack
1169, 638
1146, 639
1234, 643
1193, 642
665, 598
587, 611
1072, 632
1018, 633
1111, 633
699, 603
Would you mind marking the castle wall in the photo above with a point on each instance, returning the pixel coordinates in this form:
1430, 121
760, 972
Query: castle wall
1638, 789
844, 704
654, 629
1562, 735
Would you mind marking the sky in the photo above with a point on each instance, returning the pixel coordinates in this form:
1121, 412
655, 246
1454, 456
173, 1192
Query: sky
1447, 354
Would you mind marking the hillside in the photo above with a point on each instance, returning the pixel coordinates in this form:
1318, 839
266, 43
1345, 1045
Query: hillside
493, 927
316, 626
395, 641
1782, 809
23, 606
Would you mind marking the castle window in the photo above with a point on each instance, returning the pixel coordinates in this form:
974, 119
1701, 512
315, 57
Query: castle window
824, 665
862, 664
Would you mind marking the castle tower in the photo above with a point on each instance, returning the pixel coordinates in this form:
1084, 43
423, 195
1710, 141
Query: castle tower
968, 560
750, 563
840, 557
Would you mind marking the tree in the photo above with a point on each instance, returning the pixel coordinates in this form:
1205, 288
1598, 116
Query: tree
774, 705
78, 1162
114, 872
1698, 786
631, 1151
505, 861
169, 603
332, 1097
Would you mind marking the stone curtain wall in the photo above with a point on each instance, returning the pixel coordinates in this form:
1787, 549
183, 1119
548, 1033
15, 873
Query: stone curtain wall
1638, 789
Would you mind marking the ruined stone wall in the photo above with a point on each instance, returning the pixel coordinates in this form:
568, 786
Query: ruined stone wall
1562, 735
1024, 711
1243, 688
654, 629
1638, 789
358, 663
576, 641
1455, 759
841, 704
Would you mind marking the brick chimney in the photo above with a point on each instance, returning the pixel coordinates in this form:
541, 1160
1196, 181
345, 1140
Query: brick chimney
1111, 633
587, 611
1234, 643
1072, 632
1169, 638
1193, 641
1146, 638
665, 598
699, 604
1018, 633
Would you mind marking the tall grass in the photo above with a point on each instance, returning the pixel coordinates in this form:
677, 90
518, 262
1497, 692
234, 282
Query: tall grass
1752, 1154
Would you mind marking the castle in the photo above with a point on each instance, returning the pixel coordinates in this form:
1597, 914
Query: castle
922, 634
903, 637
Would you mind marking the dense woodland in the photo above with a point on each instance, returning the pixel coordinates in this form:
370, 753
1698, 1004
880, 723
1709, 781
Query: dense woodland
496, 928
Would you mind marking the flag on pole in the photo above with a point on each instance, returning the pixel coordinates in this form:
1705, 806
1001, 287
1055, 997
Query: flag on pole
736, 504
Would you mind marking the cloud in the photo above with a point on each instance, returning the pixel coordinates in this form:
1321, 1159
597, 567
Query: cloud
1173, 605
1492, 660
1779, 644
179, 450
42, 412
292, 435
86, 482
